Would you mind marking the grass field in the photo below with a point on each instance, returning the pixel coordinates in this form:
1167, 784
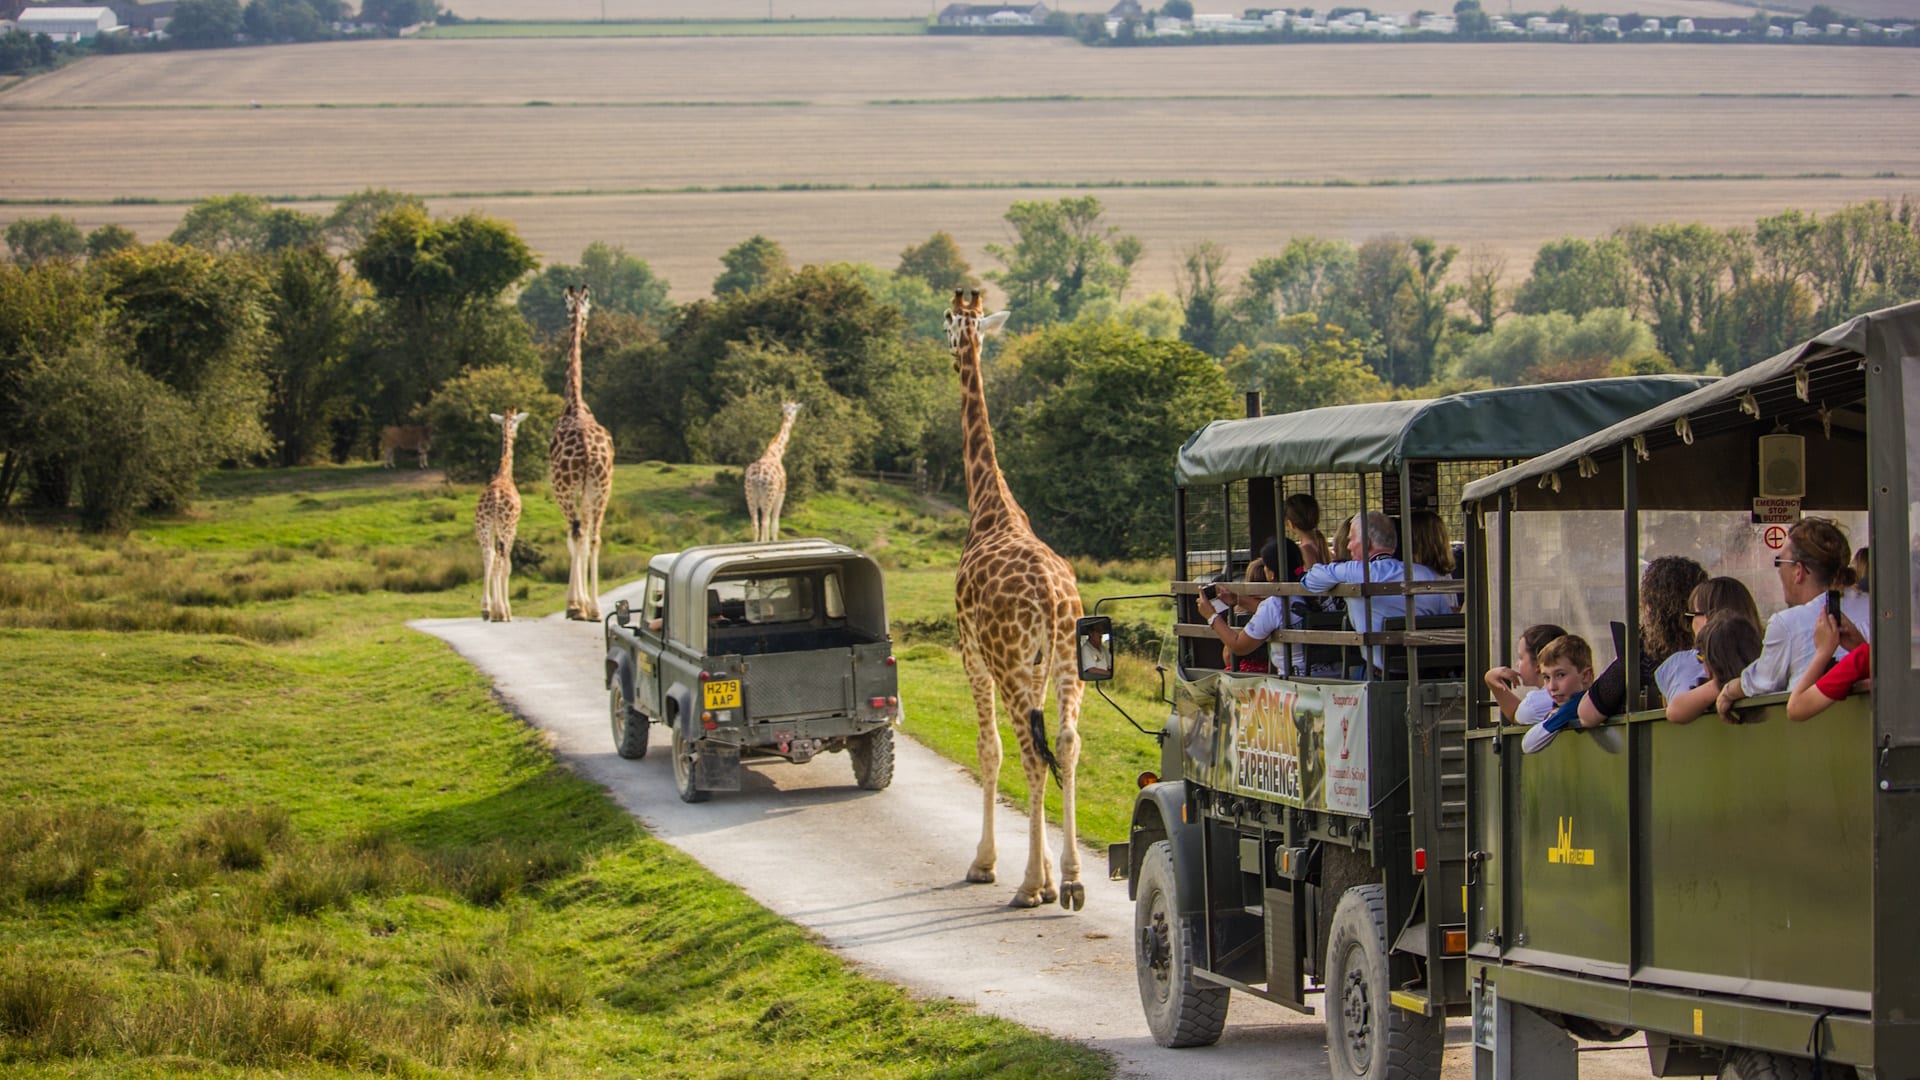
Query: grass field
580, 10
679, 28
253, 825
853, 148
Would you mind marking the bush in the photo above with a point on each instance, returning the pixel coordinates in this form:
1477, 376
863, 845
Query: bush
466, 442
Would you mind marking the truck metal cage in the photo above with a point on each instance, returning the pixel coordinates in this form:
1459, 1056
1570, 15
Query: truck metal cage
1728, 889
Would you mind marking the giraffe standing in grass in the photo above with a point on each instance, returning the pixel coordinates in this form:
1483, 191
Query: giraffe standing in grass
580, 468
494, 521
1015, 602
767, 480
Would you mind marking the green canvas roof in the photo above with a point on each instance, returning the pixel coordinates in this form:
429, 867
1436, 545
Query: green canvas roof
1483, 425
1834, 355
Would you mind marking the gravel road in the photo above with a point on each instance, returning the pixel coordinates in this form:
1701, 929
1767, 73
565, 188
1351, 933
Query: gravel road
879, 876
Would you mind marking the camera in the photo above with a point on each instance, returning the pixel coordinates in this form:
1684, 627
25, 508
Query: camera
1209, 590
1833, 605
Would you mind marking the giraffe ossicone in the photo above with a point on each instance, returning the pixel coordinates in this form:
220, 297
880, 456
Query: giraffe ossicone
580, 469
766, 480
495, 519
1015, 604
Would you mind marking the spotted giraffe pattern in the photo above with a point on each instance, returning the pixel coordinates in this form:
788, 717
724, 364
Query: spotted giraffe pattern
1015, 604
580, 469
767, 480
495, 520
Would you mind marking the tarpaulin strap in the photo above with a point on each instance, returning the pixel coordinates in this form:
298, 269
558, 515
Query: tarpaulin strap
1818, 1045
1640, 448
1826, 419
1750, 404
1683, 429
1800, 379
1588, 470
1551, 480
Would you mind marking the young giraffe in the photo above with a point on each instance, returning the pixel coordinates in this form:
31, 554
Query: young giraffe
1015, 602
494, 521
580, 468
767, 480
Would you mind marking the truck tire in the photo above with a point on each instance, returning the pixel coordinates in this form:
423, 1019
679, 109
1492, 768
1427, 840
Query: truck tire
683, 778
629, 725
1181, 1010
1754, 1065
872, 757
1368, 1037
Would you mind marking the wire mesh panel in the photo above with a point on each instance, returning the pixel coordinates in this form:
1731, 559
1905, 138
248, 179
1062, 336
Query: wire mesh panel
1206, 533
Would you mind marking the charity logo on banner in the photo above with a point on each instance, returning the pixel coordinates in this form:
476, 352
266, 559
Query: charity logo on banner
1300, 743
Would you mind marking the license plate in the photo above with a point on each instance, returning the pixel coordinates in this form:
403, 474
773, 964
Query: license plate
723, 694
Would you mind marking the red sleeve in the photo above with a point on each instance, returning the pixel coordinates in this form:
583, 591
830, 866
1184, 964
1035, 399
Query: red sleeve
1853, 667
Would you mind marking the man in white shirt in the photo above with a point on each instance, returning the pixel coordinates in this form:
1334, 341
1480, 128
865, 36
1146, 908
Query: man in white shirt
1372, 561
1807, 568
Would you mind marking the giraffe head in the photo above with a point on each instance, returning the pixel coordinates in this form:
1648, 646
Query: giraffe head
965, 324
577, 304
510, 421
790, 409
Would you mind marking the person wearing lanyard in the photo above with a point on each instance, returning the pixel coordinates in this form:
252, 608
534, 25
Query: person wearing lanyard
1373, 543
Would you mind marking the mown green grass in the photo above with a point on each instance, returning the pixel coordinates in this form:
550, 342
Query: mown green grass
309, 842
712, 28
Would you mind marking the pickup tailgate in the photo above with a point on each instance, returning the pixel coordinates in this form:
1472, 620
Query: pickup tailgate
819, 683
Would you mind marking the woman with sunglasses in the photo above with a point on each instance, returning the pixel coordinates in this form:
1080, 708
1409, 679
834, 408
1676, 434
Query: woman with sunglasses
1817, 558
1683, 679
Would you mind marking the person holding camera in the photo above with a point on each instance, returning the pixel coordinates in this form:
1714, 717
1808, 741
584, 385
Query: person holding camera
1816, 561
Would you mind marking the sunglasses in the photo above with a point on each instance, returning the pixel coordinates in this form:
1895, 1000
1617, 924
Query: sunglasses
1782, 560
1695, 614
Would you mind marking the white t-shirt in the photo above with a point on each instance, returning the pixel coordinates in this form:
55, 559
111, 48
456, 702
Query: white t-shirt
1679, 673
1535, 707
1787, 651
1276, 613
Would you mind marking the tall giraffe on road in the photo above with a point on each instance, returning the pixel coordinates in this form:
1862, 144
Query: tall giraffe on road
767, 480
1015, 603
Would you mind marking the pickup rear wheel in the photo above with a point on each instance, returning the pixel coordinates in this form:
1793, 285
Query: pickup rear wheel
872, 757
629, 725
683, 770
1181, 1010
1369, 1037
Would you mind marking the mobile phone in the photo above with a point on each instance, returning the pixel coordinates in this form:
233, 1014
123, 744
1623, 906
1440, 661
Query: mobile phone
1833, 605
1209, 590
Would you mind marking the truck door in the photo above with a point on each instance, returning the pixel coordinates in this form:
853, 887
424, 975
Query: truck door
650, 634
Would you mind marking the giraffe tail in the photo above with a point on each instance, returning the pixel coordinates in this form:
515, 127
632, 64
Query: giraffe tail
1037, 723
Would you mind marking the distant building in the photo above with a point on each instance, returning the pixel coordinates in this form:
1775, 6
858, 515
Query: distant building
993, 15
1126, 9
68, 23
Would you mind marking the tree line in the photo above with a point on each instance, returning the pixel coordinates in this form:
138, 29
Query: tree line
258, 334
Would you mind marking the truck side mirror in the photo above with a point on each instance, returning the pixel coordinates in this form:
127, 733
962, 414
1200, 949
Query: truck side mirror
1093, 647
622, 614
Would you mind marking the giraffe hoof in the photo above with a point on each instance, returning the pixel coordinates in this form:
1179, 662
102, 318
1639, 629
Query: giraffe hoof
980, 875
1024, 899
1073, 896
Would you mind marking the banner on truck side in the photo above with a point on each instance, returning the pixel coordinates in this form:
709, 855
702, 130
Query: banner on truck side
1300, 743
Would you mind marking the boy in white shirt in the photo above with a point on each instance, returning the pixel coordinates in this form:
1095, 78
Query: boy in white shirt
1508, 683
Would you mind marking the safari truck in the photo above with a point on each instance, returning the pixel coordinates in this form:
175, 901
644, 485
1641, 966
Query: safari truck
1304, 841
1746, 895
765, 650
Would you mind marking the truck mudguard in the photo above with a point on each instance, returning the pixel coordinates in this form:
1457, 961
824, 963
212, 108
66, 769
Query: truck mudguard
689, 717
1159, 814
620, 671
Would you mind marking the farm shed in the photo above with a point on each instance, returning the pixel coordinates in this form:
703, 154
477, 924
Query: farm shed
993, 15
68, 23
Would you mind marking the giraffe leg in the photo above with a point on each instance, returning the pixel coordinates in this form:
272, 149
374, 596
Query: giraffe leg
486, 577
773, 519
1068, 691
503, 604
593, 565
987, 746
1037, 888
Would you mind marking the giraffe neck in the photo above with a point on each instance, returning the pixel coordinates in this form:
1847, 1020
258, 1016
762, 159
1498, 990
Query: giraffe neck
579, 332
988, 498
505, 472
777, 449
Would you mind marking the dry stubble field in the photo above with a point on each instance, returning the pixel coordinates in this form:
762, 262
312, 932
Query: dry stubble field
1500, 146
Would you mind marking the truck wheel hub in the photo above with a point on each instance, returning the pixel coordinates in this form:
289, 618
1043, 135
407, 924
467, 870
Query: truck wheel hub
1356, 1008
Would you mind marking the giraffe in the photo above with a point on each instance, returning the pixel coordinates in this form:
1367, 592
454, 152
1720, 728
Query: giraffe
1015, 603
580, 468
494, 521
767, 480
